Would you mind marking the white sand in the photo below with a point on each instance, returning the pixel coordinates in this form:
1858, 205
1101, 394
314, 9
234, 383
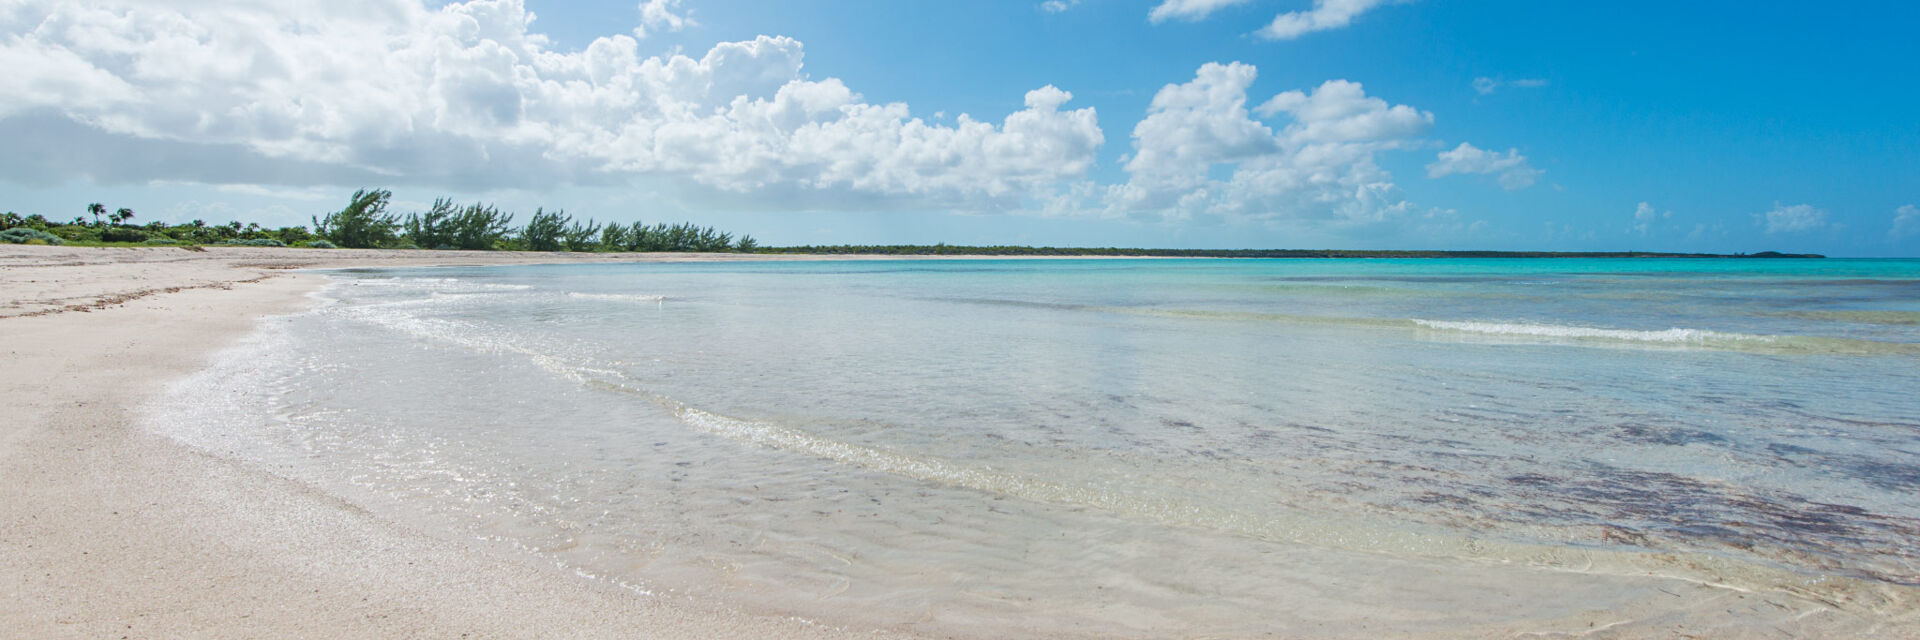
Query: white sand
109, 531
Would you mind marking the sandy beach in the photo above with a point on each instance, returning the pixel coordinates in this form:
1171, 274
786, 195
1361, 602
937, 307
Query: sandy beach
109, 531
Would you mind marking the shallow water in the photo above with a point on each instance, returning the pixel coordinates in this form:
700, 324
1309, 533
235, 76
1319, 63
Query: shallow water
1133, 447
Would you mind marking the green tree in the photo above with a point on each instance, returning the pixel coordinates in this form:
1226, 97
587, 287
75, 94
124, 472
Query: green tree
582, 237
544, 230
122, 216
364, 223
479, 226
97, 210
644, 238
613, 237
429, 230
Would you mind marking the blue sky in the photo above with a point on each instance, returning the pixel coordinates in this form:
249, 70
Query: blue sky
1700, 126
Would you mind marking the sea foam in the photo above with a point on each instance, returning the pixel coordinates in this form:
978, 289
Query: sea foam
616, 297
1675, 335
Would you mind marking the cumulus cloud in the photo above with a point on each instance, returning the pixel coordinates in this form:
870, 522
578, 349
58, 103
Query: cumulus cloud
1906, 222
1511, 168
470, 95
1325, 15
1644, 216
662, 14
1797, 218
1188, 9
1201, 153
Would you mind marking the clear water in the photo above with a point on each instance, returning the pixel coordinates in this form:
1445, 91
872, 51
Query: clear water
1133, 447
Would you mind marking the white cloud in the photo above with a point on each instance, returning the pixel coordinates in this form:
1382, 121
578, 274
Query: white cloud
1486, 86
1197, 124
1644, 216
1188, 9
1325, 15
1906, 222
1200, 153
662, 14
1341, 111
1512, 169
389, 91
1058, 6
1792, 219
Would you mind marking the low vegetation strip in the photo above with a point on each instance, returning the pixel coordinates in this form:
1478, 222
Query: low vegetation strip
365, 224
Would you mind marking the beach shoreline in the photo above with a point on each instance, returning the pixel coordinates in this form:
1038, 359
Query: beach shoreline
108, 530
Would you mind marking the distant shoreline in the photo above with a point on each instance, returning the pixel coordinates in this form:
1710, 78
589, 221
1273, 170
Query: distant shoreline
1117, 252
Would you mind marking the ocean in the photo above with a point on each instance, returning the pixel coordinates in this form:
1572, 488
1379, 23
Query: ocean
1131, 447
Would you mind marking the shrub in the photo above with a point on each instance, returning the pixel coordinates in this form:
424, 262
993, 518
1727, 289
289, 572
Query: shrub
23, 235
293, 236
320, 244
162, 241
71, 233
123, 234
254, 242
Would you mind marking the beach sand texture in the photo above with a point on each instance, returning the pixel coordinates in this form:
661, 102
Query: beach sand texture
109, 531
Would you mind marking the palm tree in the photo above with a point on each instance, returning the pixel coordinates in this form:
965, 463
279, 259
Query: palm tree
122, 216
97, 210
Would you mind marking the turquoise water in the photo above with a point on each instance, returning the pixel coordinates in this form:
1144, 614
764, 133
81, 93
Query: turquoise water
1134, 447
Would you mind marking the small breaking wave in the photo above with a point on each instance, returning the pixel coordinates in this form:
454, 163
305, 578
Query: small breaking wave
1675, 335
1518, 332
616, 297
444, 285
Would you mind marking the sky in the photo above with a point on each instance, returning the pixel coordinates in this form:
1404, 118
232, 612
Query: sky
1426, 124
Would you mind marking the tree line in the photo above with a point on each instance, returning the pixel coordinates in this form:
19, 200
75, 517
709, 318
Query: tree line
117, 228
365, 223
